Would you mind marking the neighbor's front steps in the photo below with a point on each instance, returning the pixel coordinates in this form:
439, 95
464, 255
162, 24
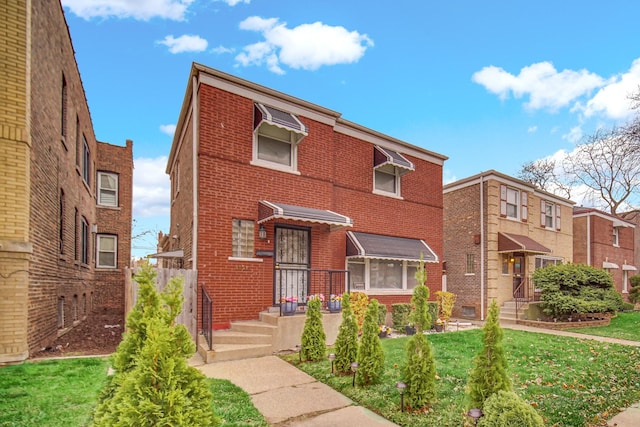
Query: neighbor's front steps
508, 311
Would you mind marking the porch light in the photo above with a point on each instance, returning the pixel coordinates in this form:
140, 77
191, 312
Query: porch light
401, 387
262, 233
354, 368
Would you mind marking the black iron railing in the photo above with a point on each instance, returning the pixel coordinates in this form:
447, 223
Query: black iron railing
299, 283
524, 293
207, 317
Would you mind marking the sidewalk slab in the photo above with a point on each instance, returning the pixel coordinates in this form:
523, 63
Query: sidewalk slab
629, 417
351, 416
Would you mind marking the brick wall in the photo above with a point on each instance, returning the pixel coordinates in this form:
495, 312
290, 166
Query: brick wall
336, 173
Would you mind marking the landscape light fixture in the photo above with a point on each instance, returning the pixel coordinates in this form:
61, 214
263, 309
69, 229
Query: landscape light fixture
401, 387
354, 368
475, 413
332, 357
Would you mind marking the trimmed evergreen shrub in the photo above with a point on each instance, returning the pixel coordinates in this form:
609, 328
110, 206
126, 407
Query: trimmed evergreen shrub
507, 409
432, 308
346, 348
400, 315
419, 372
370, 354
359, 303
489, 373
634, 294
382, 314
314, 347
153, 384
445, 300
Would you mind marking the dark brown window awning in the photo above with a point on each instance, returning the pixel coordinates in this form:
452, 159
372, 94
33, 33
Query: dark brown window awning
365, 245
384, 156
269, 210
508, 242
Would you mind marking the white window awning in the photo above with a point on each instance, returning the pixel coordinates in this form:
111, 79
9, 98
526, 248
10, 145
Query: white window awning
383, 157
376, 246
610, 265
279, 118
169, 254
627, 267
269, 210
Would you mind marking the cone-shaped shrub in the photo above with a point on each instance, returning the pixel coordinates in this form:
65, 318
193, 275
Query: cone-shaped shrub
313, 339
370, 354
153, 384
506, 409
346, 347
419, 372
489, 374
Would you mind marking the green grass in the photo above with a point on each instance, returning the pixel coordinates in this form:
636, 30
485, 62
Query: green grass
624, 326
50, 393
571, 382
64, 393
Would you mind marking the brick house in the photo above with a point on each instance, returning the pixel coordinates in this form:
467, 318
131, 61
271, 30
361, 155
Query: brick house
497, 231
65, 198
270, 193
605, 241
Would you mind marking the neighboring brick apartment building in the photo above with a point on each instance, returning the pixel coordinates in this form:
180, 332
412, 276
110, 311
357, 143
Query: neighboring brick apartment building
605, 241
262, 180
497, 231
65, 199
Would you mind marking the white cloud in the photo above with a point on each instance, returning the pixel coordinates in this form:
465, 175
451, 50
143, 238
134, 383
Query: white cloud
151, 187
612, 100
143, 10
541, 82
234, 2
532, 129
575, 135
185, 43
307, 46
448, 177
221, 49
168, 129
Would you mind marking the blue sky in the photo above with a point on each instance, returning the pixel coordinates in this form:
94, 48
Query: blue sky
489, 84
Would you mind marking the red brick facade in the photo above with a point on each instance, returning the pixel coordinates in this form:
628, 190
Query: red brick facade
64, 286
594, 244
334, 172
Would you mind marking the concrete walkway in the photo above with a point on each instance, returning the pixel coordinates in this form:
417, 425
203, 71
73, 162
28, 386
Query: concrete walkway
288, 397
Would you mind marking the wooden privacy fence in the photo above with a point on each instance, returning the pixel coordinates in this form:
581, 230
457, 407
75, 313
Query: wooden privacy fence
189, 314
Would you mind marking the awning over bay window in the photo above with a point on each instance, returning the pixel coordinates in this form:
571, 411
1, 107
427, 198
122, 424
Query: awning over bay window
281, 119
269, 210
365, 245
384, 156
508, 242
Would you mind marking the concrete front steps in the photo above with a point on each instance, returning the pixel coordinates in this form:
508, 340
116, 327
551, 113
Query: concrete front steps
508, 311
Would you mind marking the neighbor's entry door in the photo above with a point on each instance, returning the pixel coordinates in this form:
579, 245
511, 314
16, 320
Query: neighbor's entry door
292, 263
518, 276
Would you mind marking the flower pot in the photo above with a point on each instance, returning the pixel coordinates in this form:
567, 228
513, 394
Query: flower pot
439, 328
334, 306
289, 308
410, 330
382, 334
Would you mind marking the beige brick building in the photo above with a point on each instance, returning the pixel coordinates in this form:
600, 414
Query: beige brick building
497, 231
65, 198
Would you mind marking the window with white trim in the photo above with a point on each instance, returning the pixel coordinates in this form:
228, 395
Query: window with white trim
107, 189
616, 236
544, 261
514, 203
381, 275
549, 214
513, 197
243, 236
387, 180
106, 251
275, 147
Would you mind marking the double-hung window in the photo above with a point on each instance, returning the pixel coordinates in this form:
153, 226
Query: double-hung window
107, 189
388, 168
616, 236
84, 241
86, 162
276, 137
106, 251
513, 203
549, 215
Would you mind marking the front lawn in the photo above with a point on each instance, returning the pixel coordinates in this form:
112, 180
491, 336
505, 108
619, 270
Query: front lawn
624, 326
64, 392
571, 382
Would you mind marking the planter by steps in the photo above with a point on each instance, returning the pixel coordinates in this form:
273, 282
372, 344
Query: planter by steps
334, 306
289, 308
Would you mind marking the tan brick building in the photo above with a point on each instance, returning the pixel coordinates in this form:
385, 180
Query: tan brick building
497, 231
65, 198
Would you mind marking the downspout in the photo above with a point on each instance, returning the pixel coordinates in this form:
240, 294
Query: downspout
588, 239
194, 146
481, 247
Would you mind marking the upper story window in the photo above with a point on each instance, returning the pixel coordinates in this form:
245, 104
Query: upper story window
106, 251
175, 181
549, 215
63, 108
616, 236
84, 241
61, 223
242, 238
86, 162
388, 168
513, 203
107, 189
276, 138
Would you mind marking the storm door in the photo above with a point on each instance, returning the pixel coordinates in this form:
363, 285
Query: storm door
292, 247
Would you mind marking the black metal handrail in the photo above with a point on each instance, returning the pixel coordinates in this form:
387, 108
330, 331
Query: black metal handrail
524, 293
303, 282
207, 317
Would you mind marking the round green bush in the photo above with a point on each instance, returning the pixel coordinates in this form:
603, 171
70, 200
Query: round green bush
507, 409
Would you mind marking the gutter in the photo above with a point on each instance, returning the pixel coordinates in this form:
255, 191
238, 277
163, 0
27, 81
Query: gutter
194, 146
482, 284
